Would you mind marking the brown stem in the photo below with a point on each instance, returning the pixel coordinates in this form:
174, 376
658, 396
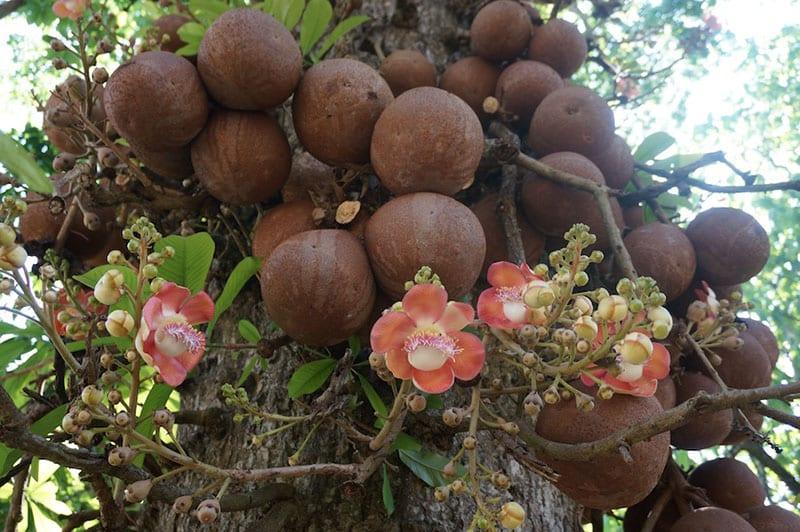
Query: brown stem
761, 455
15, 503
657, 510
112, 517
63, 231
77, 520
621, 255
507, 209
778, 415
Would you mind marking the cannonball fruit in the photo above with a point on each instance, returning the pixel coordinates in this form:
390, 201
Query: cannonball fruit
705, 430
166, 31
335, 109
710, 519
633, 216
318, 287
607, 481
500, 31
666, 394
280, 223
559, 44
729, 484
174, 163
572, 119
425, 229
616, 162
156, 101
249, 61
473, 79
496, 249
772, 519
553, 208
523, 85
663, 252
407, 69
242, 157
765, 337
309, 176
58, 121
731, 245
427, 140
746, 367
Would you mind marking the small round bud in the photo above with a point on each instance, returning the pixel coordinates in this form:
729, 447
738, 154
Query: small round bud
115, 257
449, 470
581, 279
122, 419
441, 494
470, 442
491, 105
624, 286
84, 438
121, 456
59, 63
538, 294
512, 515
501, 481
57, 45
114, 397
6, 286
107, 360
612, 308
416, 402
119, 323
583, 304
511, 428
109, 377
551, 396
50, 297
530, 360
182, 504
208, 511
12, 257
458, 487
91, 395
150, 271
131, 355
586, 328
63, 162
540, 270
138, 491
566, 394
733, 343
83, 417
636, 305
377, 360
452, 417
69, 424
163, 418
100, 75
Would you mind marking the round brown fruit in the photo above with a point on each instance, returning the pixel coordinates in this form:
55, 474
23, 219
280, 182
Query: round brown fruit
241, 157
425, 229
633, 216
636, 516
553, 208
166, 31
174, 163
559, 44
663, 252
309, 176
746, 367
58, 122
772, 519
523, 85
739, 433
407, 69
156, 101
496, 249
335, 109
711, 519
729, 484
608, 481
280, 223
249, 61
500, 31
427, 140
572, 119
731, 245
666, 394
318, 287
765, 337
705, 430
616, 162
473, 79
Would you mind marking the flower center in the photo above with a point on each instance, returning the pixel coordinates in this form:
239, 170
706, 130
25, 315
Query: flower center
428, 351
510, 294
176, 337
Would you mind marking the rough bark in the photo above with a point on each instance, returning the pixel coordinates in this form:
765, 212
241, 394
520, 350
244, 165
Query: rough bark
437, 27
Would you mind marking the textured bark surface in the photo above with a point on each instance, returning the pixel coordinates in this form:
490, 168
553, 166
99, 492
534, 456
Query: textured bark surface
438, 29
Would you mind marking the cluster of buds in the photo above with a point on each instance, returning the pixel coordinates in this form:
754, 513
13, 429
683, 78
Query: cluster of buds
141, 235
12, 255
425, 275
711, 318
457, 487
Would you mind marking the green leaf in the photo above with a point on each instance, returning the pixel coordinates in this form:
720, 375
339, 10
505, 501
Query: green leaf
12, 349
354, 343
42, 426
191, 33
343, 27
425, 464
156, 398
188, 50
193, 255
652, 146
433, 401
315, 19
21, 164
374, 399
388, 498
242, 273
249, 331
123, 344
406, 442
310, 377
91, 277
247, 370
207, 10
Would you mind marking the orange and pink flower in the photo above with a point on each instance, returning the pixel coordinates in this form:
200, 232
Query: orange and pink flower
502, 305
72, 9
66, 304
424, 341
640, 380
167, 339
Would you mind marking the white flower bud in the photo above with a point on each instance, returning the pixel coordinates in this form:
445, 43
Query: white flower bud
636, 348
91, 395
585, 327
584, 305
512, 515
612, 308
138, 491
108, 289
119, 323
12, 257
7, 235
538, 294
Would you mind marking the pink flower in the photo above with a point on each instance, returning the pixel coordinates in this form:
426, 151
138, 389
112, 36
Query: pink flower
641, 385
502, 306
70, 8
423, 341
166, 339
709, 297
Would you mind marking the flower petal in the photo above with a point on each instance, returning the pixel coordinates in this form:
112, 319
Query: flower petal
505, 274
436, 381
172, 297
456, 316
198, 309
490, 310
397, 362
469, 360
152, 312
657, 366
390, 331
425, 303
171, 369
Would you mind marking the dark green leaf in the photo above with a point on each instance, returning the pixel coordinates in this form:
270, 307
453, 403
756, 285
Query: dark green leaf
247, 370
310, 377
193, 255
407, 443
22, 166
249, 331
343, 27
652, 146
354, 342
12, 349
242, 273
374, 399
425, 464
388, 498
433, 402
156, 398
315, 19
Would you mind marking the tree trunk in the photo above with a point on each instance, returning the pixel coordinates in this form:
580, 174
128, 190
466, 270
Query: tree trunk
437, 27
